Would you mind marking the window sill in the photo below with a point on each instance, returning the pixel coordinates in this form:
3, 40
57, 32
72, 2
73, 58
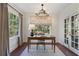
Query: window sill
16, 36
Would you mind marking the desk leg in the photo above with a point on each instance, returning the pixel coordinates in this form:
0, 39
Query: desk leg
54, 45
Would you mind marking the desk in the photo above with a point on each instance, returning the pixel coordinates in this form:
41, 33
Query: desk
42, 38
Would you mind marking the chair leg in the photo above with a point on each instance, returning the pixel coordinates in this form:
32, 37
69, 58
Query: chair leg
44, 46
37, 47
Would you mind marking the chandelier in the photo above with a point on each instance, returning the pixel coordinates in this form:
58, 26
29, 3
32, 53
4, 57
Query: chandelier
42, 12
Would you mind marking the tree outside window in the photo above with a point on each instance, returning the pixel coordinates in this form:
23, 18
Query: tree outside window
41, 29
13, 24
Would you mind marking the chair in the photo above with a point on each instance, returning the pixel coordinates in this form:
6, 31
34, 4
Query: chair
41, 42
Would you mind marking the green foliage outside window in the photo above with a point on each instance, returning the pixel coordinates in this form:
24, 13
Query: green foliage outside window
42, 28
13, 24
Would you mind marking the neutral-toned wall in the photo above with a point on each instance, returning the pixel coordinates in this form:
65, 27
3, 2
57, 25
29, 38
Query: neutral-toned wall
26, 22
67, 12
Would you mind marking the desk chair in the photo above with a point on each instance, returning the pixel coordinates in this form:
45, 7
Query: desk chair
41, 42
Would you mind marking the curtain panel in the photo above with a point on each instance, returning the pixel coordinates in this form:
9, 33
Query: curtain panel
4, 36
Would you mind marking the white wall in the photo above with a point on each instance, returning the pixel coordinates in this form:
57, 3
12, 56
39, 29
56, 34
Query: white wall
26, 23
26, 19
67, 12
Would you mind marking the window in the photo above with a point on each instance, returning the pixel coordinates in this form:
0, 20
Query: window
13, 24
41, 29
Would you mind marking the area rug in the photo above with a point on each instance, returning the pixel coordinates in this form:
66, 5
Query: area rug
49, 51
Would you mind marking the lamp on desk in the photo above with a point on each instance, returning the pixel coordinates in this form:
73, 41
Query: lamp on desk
32, 33
31, 27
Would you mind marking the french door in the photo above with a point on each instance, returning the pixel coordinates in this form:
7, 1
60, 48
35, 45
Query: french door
66, 32
71, 33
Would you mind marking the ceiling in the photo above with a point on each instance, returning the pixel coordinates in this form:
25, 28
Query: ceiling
51, 8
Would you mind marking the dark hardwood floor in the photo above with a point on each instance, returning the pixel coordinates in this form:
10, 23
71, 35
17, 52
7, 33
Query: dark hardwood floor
65, 50
20, 49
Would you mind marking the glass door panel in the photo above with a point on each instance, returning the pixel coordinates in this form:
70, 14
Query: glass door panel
74, 32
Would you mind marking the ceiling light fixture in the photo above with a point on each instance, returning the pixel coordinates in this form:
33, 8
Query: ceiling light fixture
42, 12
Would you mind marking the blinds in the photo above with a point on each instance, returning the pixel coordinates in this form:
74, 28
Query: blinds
41, 20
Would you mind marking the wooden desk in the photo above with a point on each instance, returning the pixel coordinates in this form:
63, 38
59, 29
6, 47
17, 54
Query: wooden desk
42, 38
